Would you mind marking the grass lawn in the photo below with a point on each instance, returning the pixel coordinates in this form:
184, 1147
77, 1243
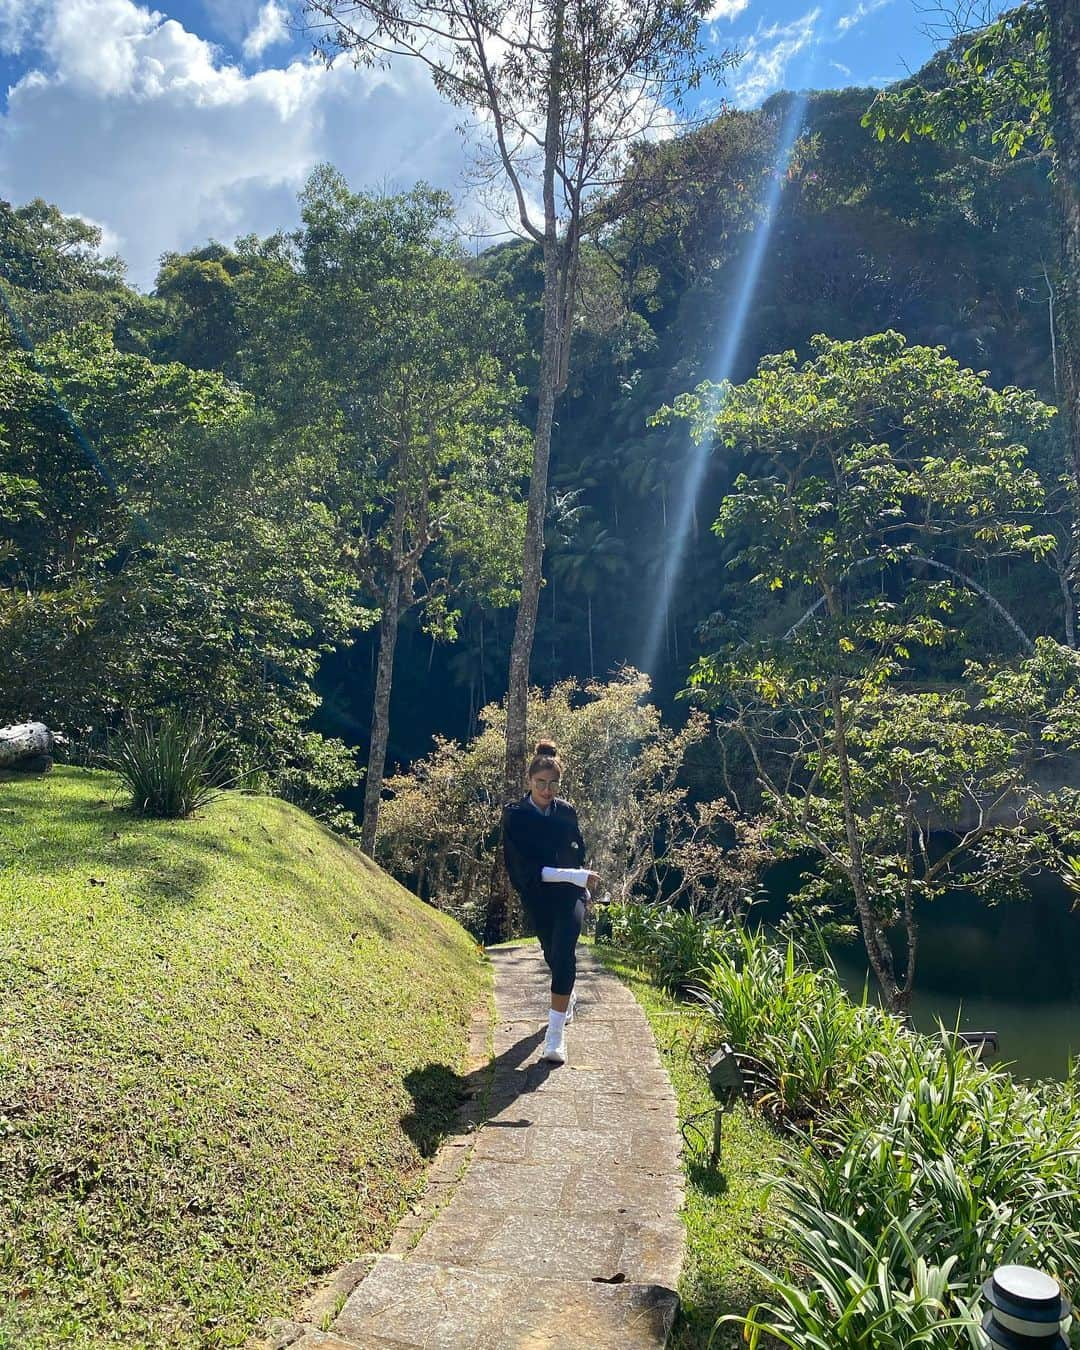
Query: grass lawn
725, 1211
227, 1046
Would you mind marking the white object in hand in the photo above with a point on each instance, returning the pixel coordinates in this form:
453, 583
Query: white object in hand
576, 876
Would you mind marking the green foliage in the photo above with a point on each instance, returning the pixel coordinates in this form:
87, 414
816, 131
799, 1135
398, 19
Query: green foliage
55, 277
162, 548
439, 828
198, 290
921, 1169
942, 1171
876, 469
171, 768
675, 945
380, 357
995, 81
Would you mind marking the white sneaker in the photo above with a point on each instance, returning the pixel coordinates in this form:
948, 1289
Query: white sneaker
571, 1006
554, 1049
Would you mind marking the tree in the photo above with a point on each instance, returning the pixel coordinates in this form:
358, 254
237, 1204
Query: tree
55, 277
565, 88
626, 771
161, 554
379, 354
1063, 60
588, 555
198, 291
881, 478
1018, 81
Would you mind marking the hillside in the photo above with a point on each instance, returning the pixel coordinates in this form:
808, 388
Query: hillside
226, 1045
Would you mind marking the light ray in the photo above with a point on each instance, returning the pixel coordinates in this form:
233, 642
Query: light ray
794, 117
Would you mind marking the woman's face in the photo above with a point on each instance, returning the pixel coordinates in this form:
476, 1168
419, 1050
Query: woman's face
544, 786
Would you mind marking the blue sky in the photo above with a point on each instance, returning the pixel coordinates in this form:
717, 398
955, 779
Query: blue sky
193, 119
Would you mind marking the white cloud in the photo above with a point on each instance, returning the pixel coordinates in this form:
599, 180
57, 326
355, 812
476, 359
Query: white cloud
725, 9
864, 8
767, 55
16, 21
143, 127
269, 29
839, 65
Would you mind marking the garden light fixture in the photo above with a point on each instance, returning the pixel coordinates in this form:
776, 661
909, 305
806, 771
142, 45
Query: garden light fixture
1027, 1309
726, 1082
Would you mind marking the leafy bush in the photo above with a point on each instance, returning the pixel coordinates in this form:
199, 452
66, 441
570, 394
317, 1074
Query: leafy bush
961, 1170
923, 1169
677, 945
171, 767
855, 1300
439, 828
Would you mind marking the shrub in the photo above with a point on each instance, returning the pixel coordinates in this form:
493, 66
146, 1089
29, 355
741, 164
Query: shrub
171, 767
815, 1046
962, 1170
439, 827
927, 1168
675, 944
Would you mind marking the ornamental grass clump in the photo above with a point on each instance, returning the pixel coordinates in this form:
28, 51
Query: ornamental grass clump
894, 1230
677, 945
921, 1171
812, 1042
171, 767
927, 1170
849, 1296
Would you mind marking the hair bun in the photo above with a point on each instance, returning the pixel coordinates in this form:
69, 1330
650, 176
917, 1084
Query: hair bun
546, 748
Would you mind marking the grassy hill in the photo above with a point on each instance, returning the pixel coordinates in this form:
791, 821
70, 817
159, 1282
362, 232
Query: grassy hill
226, 1045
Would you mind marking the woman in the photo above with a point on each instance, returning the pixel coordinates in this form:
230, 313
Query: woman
544, 855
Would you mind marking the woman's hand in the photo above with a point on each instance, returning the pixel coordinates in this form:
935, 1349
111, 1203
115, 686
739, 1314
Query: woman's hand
593, 881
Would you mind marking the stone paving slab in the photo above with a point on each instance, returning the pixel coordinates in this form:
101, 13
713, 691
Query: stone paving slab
563, 1231
508, 1313
569, 1186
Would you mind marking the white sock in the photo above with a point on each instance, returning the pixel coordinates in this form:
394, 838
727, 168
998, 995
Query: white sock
556, 1023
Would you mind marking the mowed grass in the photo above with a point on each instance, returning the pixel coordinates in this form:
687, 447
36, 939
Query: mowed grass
726, 1210
227, 1046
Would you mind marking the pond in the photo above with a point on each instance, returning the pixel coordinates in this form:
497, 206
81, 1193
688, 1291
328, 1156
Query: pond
1013, 968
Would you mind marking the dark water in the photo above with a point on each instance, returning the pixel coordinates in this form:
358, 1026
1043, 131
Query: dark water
1013, 968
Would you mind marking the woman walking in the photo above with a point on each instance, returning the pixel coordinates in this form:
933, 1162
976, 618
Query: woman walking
544, 858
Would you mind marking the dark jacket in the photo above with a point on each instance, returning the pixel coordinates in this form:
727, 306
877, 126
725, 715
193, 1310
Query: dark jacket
532, 841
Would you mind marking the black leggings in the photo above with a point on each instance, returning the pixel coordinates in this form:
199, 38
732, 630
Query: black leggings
558, 926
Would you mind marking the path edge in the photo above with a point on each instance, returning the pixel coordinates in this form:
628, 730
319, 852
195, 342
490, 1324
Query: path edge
322, 1304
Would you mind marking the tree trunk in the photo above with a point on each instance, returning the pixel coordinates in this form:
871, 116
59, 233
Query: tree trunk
25, 746
556, 262
380, 715
552, 360
384, 675
1068, 604
876, 941
1063, 20
517, 697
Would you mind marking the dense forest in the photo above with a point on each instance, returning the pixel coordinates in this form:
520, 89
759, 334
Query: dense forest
287, 486
949, 246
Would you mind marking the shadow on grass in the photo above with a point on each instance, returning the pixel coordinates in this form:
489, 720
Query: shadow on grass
442, 1097
711, 1181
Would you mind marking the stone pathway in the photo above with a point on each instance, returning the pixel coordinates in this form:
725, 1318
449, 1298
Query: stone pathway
563, 1230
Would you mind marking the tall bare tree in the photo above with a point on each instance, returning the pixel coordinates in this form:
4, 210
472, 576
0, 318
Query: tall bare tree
1063, 52
562, 90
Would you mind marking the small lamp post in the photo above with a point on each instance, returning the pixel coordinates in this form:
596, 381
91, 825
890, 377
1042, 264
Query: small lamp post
726, 1082
1026, 1309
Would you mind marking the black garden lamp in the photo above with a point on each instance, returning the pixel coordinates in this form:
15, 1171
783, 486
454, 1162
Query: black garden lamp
1027, 1310
726, 1082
